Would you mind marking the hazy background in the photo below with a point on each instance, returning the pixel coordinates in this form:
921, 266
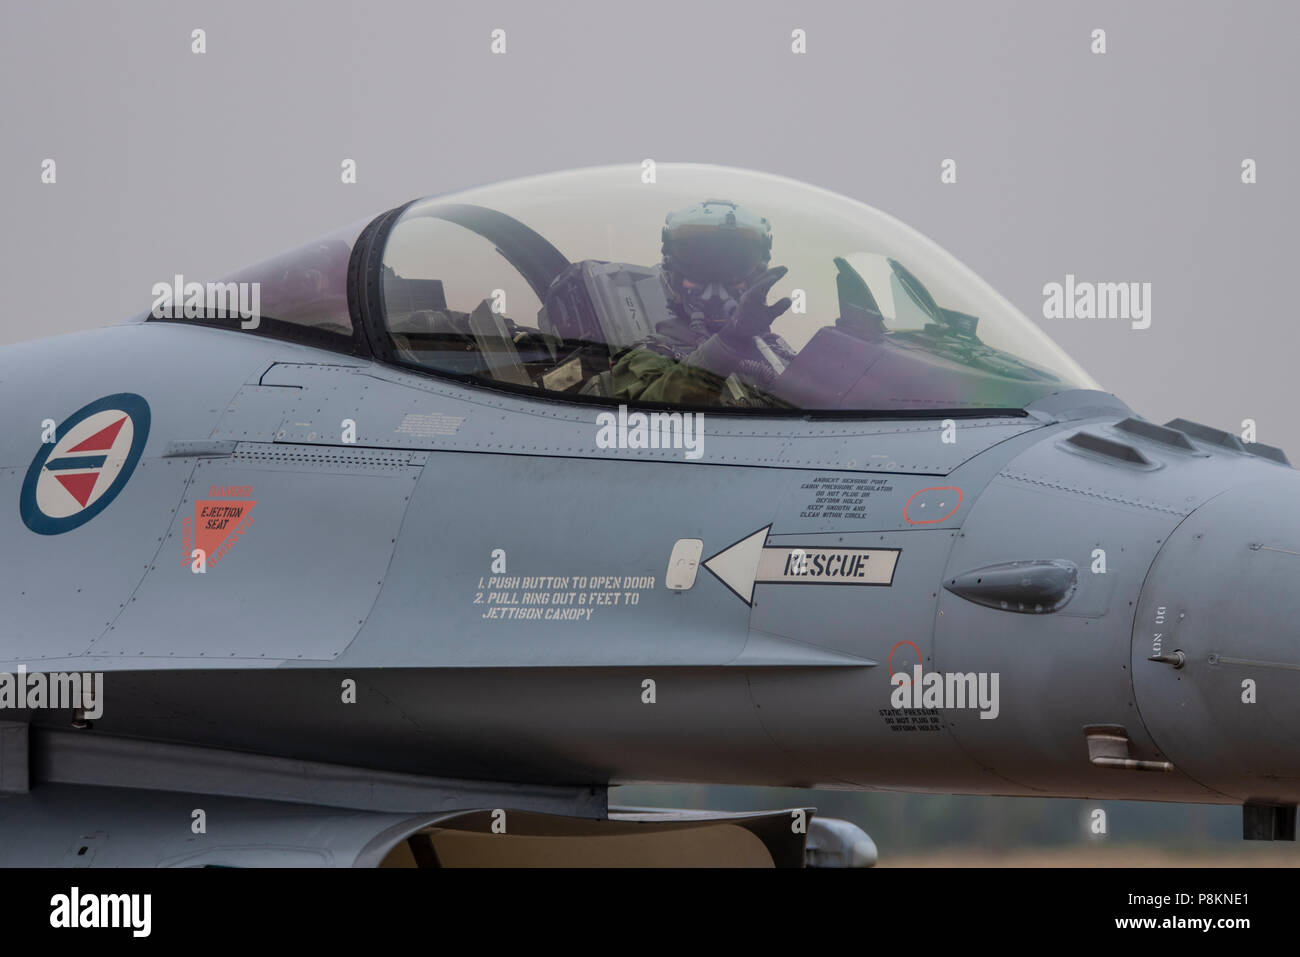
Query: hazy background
1120, 167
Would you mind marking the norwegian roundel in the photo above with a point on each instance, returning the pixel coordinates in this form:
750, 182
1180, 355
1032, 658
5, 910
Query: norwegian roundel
94, 452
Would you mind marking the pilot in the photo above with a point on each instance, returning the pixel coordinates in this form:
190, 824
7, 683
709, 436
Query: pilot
715, 274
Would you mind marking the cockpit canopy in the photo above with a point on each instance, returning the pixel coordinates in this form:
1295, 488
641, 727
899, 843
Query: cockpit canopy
556, 285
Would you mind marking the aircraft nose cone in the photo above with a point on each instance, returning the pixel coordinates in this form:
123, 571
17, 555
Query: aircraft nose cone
1216, 641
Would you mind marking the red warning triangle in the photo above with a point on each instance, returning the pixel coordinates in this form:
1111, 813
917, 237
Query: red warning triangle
218, 521
79, 485
101, 441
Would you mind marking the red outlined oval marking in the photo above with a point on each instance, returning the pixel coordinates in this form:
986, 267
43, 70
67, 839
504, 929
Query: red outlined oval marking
889, 662
943, 503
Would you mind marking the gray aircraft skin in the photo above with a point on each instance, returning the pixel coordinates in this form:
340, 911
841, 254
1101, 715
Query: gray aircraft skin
530, 616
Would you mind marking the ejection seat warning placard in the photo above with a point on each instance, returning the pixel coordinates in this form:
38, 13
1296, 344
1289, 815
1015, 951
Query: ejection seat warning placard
557, 597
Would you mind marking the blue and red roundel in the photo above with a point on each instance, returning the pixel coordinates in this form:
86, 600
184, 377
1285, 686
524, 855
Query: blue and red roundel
94, 452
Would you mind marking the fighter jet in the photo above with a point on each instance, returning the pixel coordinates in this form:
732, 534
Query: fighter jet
404, 547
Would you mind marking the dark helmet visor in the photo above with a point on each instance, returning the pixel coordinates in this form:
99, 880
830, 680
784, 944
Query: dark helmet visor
710, 254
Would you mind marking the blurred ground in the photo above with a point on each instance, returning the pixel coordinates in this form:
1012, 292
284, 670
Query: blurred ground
943, 830
1248, 855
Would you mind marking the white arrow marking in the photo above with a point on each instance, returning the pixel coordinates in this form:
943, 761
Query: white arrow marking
751, 561
736, 566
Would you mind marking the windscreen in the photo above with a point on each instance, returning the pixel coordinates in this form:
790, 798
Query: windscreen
301, 295
696, 286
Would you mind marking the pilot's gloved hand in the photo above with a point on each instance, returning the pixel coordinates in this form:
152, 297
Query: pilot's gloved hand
753, 316
724, 352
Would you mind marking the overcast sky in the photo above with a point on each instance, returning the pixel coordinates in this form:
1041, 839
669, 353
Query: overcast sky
1122, 167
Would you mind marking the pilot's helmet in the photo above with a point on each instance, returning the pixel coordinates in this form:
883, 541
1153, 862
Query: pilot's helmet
712, 252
